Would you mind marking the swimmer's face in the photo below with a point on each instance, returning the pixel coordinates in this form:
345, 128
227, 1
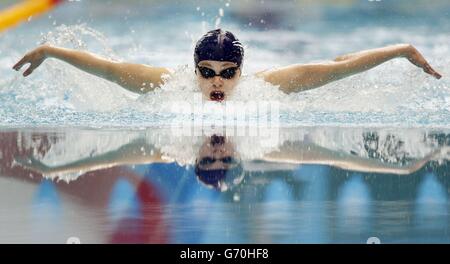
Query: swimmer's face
217, 154
217, 88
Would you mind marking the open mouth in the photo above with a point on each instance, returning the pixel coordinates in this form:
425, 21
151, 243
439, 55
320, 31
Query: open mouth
217, 140
217, 96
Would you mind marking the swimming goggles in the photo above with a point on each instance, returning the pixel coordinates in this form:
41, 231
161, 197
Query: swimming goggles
225, 160
209, 73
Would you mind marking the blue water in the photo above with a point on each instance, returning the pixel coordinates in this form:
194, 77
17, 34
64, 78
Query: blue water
101, 191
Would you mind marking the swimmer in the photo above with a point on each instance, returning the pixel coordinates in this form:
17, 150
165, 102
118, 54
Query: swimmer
218, 61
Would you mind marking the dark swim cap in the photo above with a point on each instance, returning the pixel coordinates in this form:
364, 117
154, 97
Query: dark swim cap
220, 179
219, 45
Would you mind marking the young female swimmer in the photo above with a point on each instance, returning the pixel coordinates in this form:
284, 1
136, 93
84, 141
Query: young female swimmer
218, 60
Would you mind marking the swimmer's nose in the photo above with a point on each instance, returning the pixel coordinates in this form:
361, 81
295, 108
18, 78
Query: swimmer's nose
217, 82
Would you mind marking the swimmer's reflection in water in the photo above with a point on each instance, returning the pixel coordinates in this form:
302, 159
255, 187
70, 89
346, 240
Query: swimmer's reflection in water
219, 166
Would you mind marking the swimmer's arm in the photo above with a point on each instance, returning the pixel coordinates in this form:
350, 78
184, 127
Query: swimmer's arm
297, 78
134, 153
312, 154
136, 78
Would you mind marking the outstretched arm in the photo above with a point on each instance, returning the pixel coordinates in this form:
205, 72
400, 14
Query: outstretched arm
297, 78
137, 78
136, 152
306, 153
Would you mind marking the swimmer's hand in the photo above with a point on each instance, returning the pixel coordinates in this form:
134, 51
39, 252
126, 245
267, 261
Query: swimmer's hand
34, 58
414, 56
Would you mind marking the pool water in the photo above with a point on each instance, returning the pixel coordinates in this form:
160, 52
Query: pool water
106, 186
363, 157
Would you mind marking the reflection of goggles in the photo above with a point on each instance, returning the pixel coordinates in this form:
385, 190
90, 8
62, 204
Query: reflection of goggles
209, 73
225, 160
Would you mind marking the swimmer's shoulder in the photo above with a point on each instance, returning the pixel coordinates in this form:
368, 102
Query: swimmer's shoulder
261, 74
267, 74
